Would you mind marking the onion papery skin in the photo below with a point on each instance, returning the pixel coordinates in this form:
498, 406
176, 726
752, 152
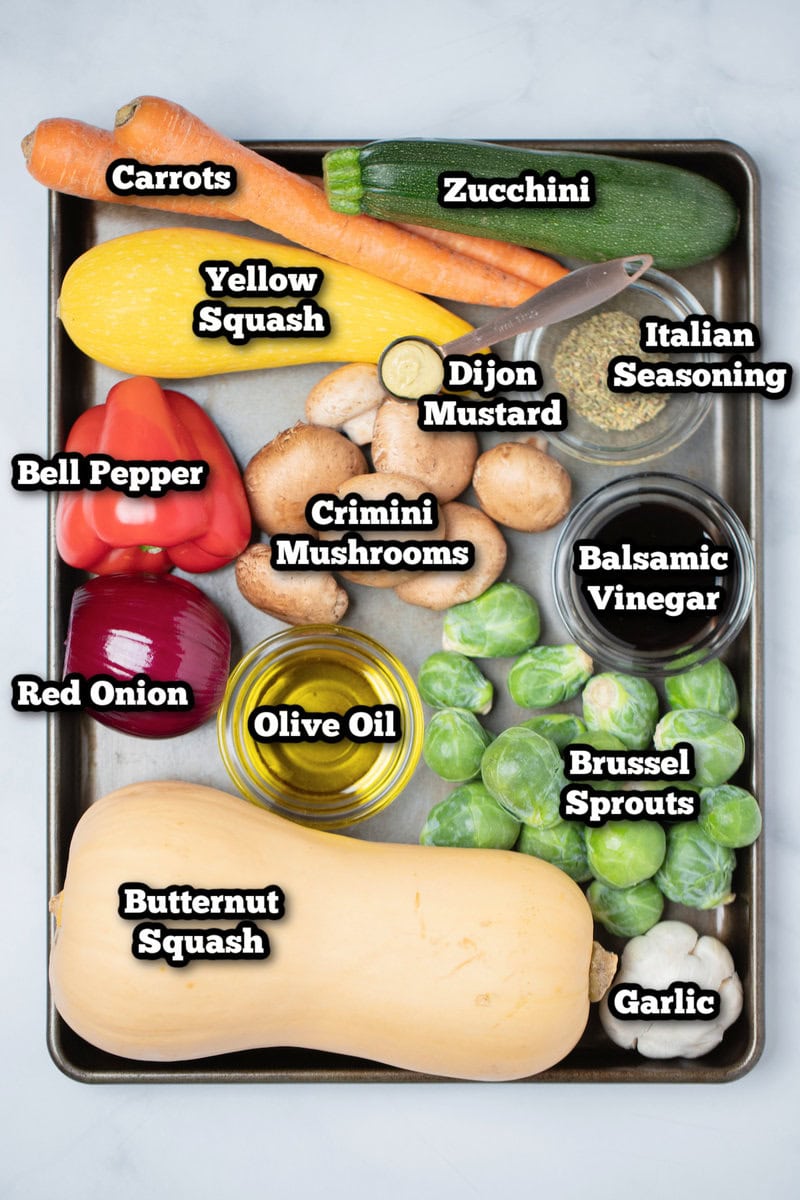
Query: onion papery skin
155, 625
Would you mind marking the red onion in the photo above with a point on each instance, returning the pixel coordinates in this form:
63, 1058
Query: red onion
123, 626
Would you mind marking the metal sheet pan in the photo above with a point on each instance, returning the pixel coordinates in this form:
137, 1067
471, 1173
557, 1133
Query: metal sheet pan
87, 760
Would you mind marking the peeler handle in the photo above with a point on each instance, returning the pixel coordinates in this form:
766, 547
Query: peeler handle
575, 293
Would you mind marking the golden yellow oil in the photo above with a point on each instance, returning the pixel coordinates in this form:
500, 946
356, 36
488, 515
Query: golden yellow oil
319, 669
321, 681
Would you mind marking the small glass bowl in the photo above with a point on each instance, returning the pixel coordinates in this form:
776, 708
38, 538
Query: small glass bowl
653, 295
716, 518
325, 669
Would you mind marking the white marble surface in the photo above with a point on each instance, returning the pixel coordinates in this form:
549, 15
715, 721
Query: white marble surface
502, 68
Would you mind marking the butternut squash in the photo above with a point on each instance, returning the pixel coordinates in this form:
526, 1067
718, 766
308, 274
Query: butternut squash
466, 963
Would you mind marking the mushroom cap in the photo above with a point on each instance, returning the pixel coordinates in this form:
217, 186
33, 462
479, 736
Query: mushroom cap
443, 461
522, 487
298, 463
348, 399
378, 487
297, 597
442, 589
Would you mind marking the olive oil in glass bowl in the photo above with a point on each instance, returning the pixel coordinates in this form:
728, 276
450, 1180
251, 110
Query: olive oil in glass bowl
320, 669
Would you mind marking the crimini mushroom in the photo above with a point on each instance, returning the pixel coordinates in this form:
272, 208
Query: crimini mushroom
297, 464
297, 597
347, 399
522, 487
442, 589
443, 461
376, 488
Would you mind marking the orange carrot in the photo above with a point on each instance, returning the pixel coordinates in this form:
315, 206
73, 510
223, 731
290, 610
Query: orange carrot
537, 268
532, 265
70, 156
155, 130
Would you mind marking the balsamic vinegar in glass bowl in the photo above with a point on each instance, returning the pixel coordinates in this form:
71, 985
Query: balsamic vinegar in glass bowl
653, 573
646, 526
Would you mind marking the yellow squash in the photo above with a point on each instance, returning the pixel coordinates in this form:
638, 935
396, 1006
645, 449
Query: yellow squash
130, 302
466, 963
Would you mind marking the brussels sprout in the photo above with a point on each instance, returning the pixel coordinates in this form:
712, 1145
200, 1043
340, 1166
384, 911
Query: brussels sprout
624, 705
623, 853
710, 686
470, 817
697, 871
730, 815
562, 844
718, 745
504, 620
560, 728
451, 680
628, 912
454, 743
548, 675
523, 771
598, 739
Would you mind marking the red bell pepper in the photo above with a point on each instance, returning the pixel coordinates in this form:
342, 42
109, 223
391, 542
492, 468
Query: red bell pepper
107, 532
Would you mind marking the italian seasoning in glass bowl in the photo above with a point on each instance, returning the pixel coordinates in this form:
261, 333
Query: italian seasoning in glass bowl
580, 369
613, 427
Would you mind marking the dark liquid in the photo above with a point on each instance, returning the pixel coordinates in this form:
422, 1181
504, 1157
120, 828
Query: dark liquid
651, 525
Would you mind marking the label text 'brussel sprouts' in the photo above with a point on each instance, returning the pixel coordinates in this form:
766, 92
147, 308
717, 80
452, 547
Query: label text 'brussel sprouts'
596, 808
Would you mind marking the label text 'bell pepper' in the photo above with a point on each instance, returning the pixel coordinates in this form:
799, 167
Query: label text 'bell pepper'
144, 501
74, 472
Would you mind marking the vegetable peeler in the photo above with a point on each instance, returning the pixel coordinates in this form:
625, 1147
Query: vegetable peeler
411, 367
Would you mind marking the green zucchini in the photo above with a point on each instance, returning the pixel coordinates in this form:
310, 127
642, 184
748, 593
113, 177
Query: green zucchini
641, 207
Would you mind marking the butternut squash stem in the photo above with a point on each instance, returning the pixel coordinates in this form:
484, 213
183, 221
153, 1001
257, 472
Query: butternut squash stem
602, 969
